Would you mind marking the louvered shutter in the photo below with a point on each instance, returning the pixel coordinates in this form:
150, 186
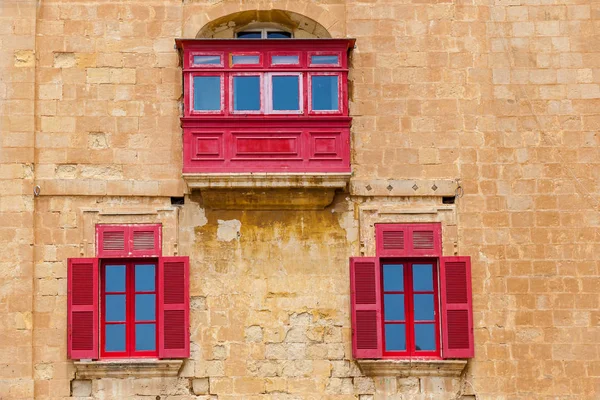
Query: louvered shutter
173, 305
365, 297
408, 240
457, 307
145, 240
112, 240
82, 308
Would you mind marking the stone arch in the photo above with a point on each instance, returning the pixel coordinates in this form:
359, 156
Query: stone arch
300, 25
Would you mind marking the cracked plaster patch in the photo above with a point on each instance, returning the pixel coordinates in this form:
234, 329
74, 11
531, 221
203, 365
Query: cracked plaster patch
228, 230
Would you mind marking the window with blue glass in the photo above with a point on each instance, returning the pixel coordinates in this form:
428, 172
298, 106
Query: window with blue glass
410, 308
129, 309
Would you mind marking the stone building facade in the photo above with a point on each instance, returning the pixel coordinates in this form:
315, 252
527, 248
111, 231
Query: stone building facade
482, 115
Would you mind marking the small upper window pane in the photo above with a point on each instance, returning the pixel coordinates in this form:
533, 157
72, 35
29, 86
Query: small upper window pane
324, 93
279, 35
207, 60
207, 93
286, 94
245, 60
393, 277
283, 60
115, 278
144, 277
249, 35
246, 93
324, 60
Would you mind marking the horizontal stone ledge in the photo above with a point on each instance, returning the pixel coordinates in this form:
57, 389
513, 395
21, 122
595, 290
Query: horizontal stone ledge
148, 368
416, 368
266, 180
98, 187
403, 187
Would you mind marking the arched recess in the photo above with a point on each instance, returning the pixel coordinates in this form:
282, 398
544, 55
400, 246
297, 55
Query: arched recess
301, 26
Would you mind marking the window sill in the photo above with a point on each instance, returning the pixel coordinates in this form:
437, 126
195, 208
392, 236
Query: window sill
417, 368
148, 368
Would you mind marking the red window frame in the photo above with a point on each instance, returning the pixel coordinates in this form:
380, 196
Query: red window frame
130, 322
341, 94
224, 103
409, 321
219, 54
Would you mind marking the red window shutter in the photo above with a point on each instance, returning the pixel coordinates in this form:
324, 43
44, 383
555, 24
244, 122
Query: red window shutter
82, 308
146, 240
391, 239
402, 240
112, 241
365, 291
457, 307
173, 307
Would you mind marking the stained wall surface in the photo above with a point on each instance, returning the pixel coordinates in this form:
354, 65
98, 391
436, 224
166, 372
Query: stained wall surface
503, 95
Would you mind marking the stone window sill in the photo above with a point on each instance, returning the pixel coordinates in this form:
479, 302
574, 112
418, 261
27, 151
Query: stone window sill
417, 368
147, 368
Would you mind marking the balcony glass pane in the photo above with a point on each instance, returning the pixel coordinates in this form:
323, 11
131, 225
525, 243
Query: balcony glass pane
115, 278
282, 60
324, 60
115, 337
115, 307
286, 94
425, 337
324, 92
145, 307
245, 60
394, 307
395, 337
207, 93
145, 337
145, 278
393, 278
207, 60
246, 93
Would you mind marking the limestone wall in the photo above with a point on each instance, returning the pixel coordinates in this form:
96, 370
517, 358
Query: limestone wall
501, 94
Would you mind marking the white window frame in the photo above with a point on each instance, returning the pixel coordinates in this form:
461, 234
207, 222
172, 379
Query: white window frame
268, 81
263, 32
261, 87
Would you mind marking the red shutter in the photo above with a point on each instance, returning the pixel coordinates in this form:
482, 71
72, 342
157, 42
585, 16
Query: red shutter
145, 240
82, 308
365, 297
408, 240
457, 307
173, 307
112, 241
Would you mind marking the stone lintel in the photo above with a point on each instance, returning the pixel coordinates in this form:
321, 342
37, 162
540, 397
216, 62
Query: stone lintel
403, 187
416, 368
149, 368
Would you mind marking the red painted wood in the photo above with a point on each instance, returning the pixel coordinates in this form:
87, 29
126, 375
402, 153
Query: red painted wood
82, 308
174, 307
408, 240
457, 307
365, 297
130, 321
132, 240
409, 316
211, 137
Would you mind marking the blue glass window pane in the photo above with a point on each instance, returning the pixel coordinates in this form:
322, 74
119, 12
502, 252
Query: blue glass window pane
246, 93
423, 307
423, 277
145, 307
394, 307
282, 60
248, 35
115, 337
425, 337
115, 308
286, 93
115, 278
144, 278
245, 59
145, 337
324, 92
279, 35
207, 93
207, 60
393, 278
322, 60
395, 337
